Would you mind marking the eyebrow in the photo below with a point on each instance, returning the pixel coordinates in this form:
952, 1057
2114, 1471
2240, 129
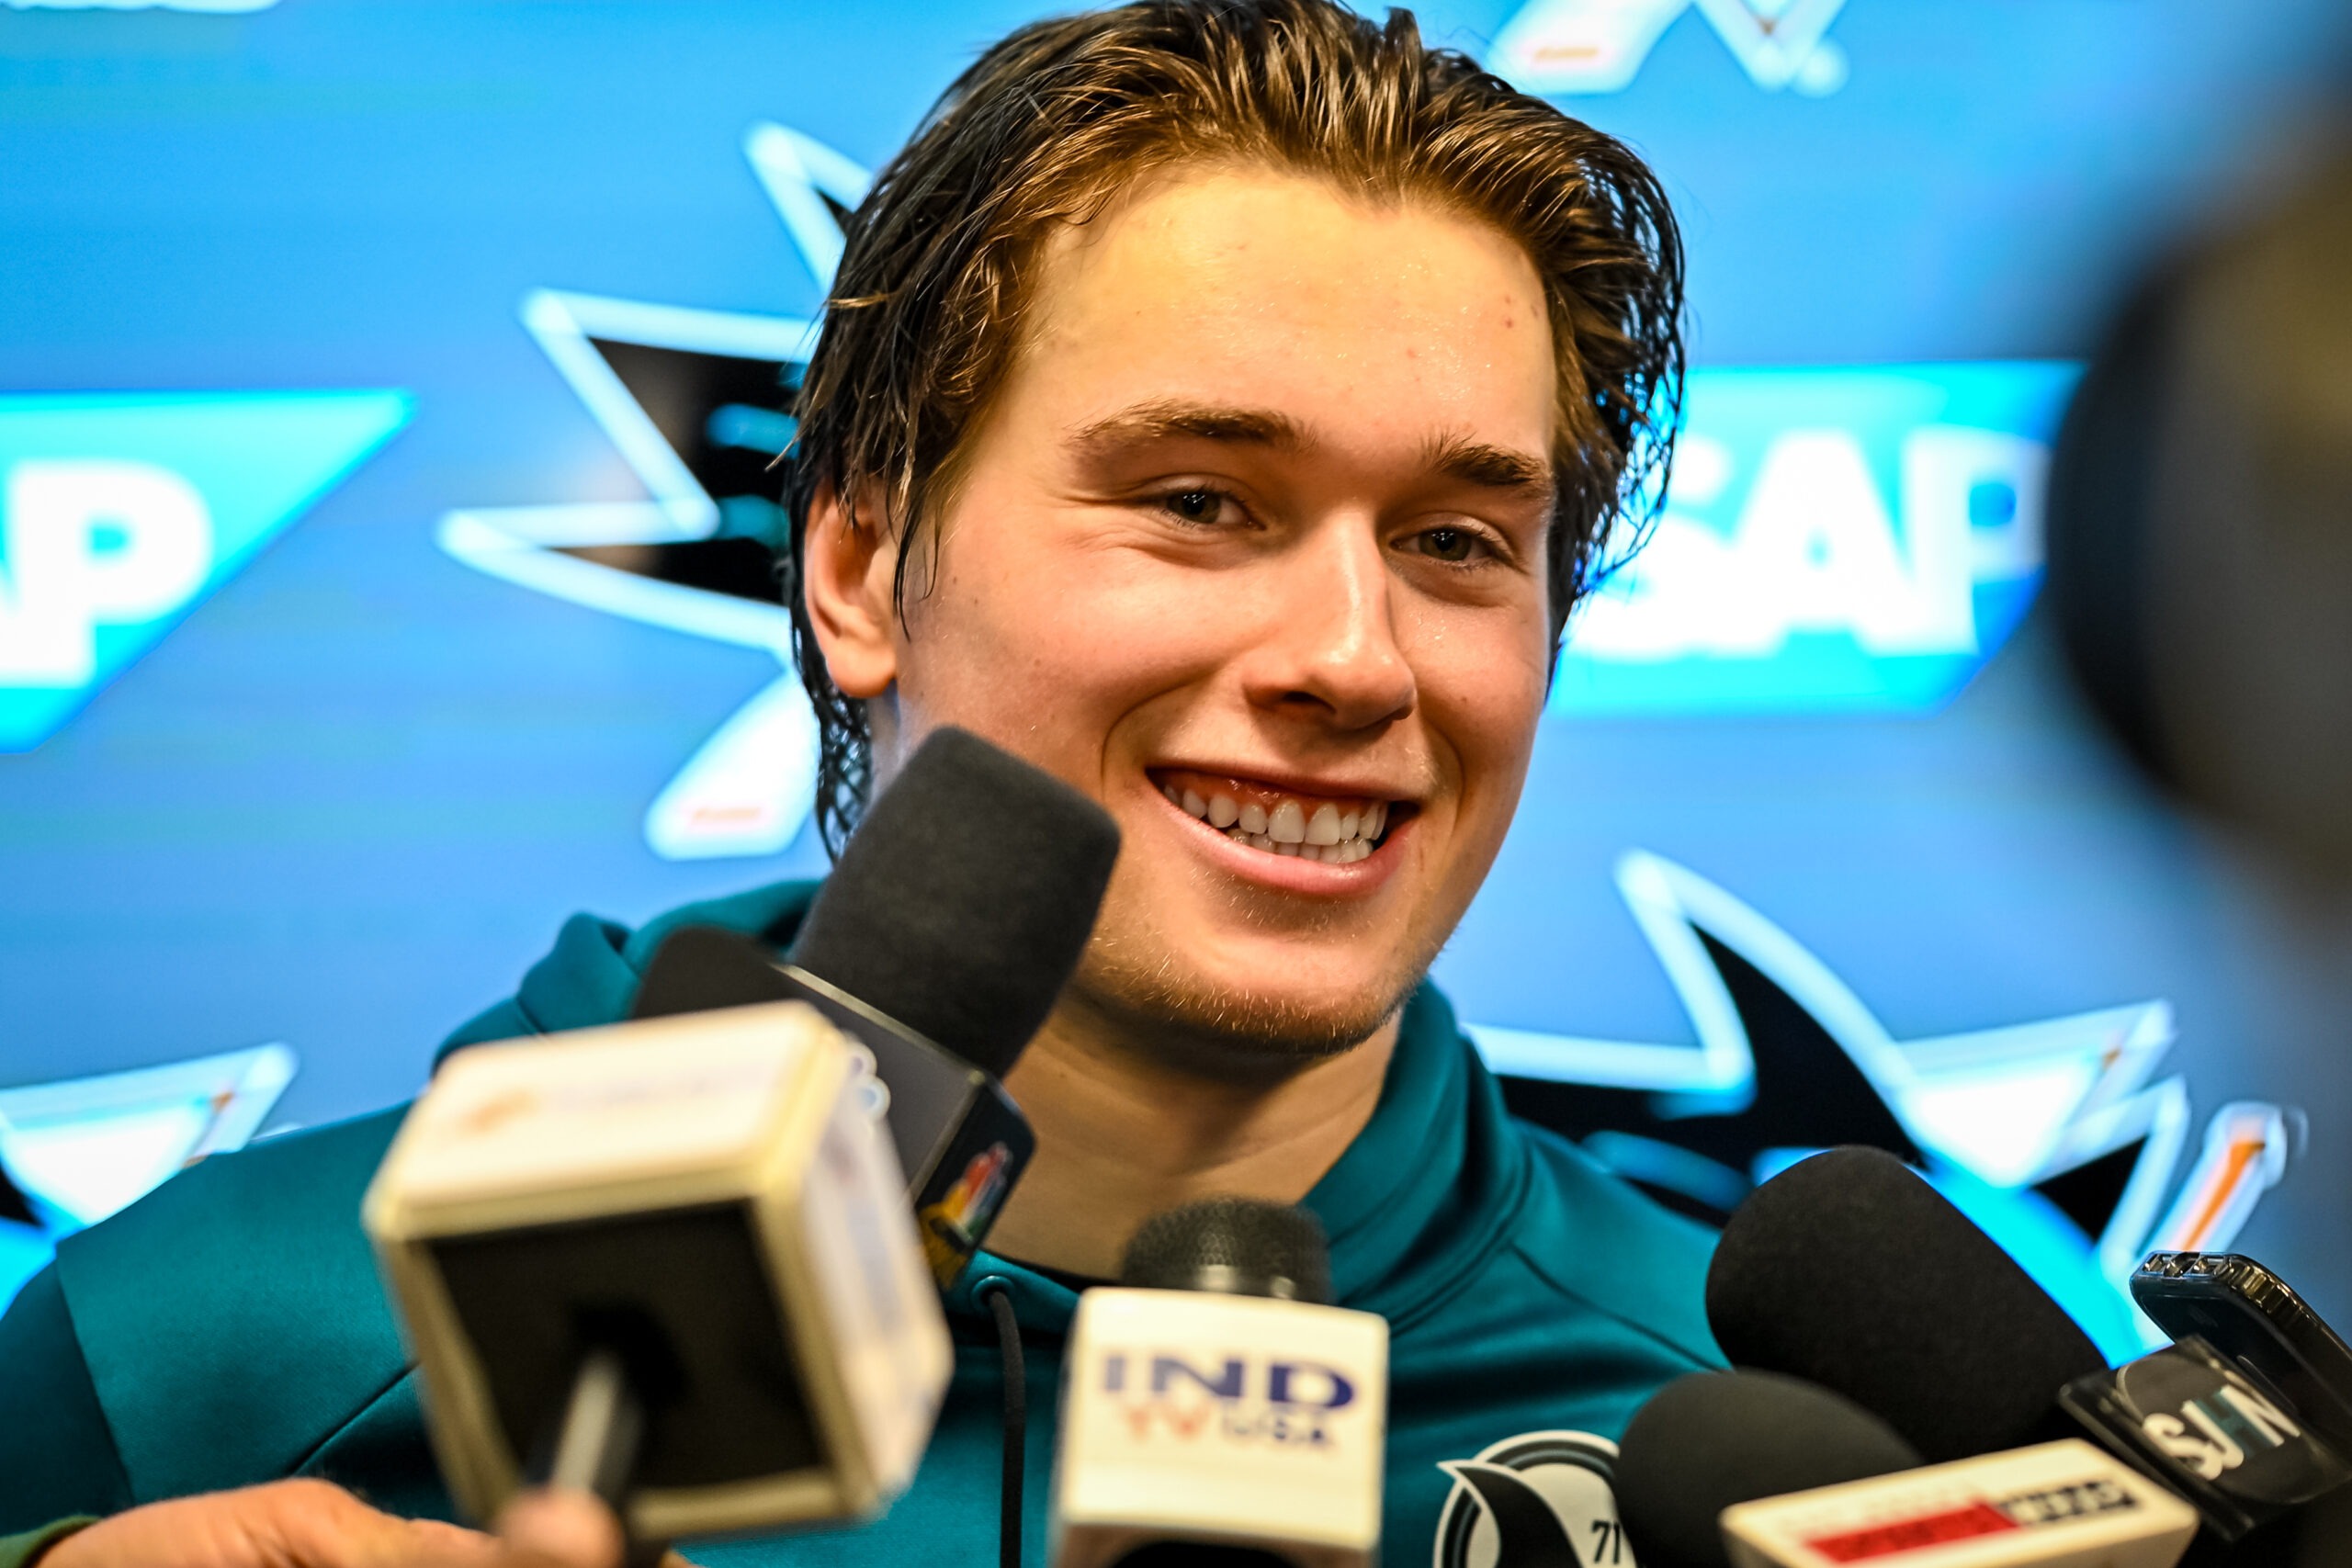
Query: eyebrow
1201, 422
1488, 466
1455, 457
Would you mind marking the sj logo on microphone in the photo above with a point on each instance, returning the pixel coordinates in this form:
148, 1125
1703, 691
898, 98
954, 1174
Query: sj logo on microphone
119, 512
1236, 1398
2214, 1433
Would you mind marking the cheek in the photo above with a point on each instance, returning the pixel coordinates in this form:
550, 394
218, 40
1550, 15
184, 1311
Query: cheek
1019, 638
1483, 681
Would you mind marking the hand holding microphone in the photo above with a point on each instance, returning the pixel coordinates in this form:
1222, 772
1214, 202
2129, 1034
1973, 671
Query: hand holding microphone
313, 1524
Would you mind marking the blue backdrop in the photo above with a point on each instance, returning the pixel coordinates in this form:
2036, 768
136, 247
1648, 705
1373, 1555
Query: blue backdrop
383, 388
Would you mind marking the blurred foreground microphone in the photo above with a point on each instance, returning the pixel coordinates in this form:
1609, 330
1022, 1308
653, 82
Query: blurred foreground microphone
1849, 1269
670, 1262
1709, 1441
1214, 1399
940, 942
2200, 524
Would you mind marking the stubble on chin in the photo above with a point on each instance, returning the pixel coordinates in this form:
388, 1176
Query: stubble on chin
1157, 1003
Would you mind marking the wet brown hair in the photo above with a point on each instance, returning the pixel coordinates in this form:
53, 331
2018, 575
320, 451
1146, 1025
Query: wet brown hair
1052, 124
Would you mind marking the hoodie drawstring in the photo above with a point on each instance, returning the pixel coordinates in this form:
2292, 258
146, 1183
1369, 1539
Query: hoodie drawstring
1016, 1419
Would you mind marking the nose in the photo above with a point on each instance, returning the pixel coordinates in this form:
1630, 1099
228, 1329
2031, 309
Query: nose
1330, 653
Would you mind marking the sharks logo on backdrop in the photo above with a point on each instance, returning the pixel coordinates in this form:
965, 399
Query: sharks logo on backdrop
2056, 1136
1597, 46
694, 401
1538, 1498
72, 1153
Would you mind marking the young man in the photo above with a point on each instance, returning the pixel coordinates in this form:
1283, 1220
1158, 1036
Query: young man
1222, 407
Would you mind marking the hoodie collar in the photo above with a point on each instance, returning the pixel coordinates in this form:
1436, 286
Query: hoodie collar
1430, 1188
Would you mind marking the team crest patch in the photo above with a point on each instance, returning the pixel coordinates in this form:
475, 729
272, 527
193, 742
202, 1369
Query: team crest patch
1538, 1500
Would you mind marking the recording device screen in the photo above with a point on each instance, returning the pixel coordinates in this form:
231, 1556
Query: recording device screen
386, 410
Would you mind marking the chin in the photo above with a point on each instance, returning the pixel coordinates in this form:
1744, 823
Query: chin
1198, 1013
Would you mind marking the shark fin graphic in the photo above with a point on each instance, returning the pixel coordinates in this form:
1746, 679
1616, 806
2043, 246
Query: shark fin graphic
1528, 1534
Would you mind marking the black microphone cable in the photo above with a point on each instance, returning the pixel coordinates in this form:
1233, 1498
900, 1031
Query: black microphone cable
999, 1297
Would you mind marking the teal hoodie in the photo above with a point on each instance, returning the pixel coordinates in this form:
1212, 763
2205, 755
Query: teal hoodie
230, 1329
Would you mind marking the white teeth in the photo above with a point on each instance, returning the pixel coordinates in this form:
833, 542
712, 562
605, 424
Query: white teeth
1175, 796
1326, 834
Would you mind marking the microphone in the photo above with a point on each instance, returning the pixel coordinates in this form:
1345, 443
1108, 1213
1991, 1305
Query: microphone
1755, 1469
2258, 1321
669, 1261
1918, 1315
1710, 1439
940, 944
2062, 1504
1848, 1271
2190, 1417
1216, 1402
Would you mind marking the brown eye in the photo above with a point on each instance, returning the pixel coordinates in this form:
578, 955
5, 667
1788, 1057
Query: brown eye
1195, 505
1450, 545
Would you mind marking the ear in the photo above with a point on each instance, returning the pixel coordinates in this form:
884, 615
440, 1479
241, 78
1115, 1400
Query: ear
849, 568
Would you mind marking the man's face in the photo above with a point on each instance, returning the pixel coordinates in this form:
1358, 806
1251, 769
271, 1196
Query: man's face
1251, 550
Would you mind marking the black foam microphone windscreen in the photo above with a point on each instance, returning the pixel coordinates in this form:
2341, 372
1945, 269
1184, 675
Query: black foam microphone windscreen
1709, 1441
1235, 1245
1848, 1271
966, 897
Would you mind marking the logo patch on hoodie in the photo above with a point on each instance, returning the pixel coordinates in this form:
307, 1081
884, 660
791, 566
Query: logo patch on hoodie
1538, 1500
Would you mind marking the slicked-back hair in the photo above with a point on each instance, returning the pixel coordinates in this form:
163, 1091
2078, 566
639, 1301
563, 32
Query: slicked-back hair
1051, 125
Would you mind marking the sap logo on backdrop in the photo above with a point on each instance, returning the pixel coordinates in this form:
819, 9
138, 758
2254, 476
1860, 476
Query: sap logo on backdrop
1832, 538
1597, 46
119, 512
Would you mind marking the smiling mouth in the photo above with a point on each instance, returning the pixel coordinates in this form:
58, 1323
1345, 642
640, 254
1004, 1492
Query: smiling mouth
1334, 829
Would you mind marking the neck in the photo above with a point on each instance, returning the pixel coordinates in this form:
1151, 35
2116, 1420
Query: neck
1126, 1131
